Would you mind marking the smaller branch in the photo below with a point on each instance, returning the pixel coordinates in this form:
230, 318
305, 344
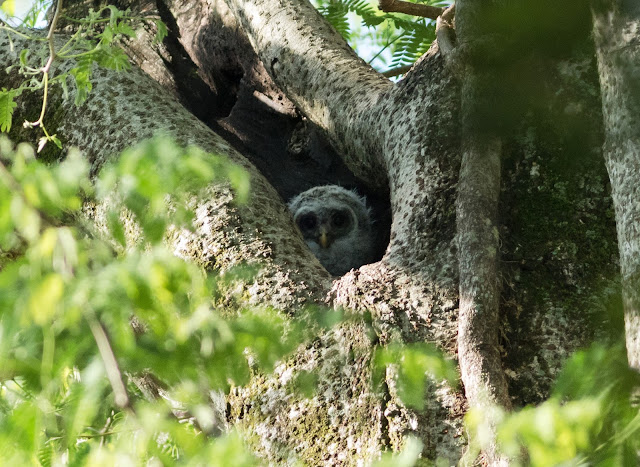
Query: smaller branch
396, 71
45, 83
72, 39
8, 29
415, 9
52, 50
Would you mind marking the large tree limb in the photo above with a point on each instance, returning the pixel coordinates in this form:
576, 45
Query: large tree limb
127, 107
318, 71
617, 37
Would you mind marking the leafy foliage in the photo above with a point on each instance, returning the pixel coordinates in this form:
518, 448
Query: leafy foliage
69, 356
7, 106
96, 41
591, 418
67, 349
391, 39
411, 364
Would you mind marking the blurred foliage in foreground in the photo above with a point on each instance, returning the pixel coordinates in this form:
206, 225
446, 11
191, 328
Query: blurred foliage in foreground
592, 417
70, 360
67, 298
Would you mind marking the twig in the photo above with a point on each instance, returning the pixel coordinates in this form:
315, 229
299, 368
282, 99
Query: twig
110, 363
45, 72
52, 26
415, 9
386, 46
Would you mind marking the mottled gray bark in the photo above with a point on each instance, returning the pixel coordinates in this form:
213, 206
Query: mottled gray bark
617, 35
557, 241
125, 108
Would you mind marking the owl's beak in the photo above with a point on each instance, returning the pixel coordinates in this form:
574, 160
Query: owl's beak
323, 238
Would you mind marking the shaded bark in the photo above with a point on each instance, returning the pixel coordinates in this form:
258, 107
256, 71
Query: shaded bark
617, 35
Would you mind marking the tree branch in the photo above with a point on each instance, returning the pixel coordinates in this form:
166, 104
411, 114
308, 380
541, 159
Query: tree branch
396, 71
477, 211
415, 9
445, 33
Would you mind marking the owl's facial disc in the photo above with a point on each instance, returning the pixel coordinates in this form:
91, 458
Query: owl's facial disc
324, 227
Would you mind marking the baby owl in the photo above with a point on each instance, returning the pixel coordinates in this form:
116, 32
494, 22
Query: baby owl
336, 225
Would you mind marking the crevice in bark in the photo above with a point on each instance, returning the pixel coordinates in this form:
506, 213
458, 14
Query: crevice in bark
203, 101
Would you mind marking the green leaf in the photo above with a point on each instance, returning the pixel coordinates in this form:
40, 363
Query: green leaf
25, 218
56, 141
116, 228
407, 457
125, 29
113, 58
82, 78
24, 56
162, 31
413, 363
7, 107
240, 182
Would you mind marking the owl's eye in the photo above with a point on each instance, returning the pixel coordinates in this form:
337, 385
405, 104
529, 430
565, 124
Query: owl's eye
339, 219
307, 222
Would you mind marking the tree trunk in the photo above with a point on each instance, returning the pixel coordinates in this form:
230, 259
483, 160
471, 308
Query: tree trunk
616, 30
297, 97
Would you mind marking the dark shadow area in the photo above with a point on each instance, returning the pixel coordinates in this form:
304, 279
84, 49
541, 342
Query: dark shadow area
244, 106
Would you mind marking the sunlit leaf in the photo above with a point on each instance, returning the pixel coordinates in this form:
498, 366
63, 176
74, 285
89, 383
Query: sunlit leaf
45, 300
26, 219
8, 7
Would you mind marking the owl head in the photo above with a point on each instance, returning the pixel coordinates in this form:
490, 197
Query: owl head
336, 225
